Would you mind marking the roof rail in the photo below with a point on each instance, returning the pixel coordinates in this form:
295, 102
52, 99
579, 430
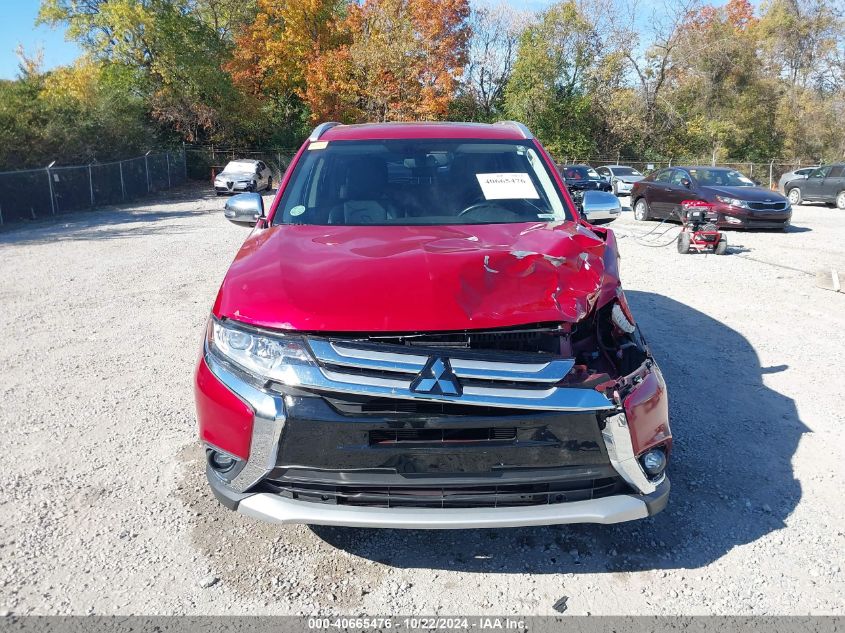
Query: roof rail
526, 133
320, 129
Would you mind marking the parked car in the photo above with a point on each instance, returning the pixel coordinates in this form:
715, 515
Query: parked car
797, 174
621, 178
420, 332
737, 200
823, 184
583, 178
243, 175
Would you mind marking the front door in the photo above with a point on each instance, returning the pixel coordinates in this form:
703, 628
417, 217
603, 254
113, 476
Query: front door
812, 188
678, 192
833, 183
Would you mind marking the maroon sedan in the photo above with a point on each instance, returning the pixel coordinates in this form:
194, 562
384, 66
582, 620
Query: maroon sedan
738, 200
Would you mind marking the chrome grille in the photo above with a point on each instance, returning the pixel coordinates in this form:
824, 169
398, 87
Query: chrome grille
470, 377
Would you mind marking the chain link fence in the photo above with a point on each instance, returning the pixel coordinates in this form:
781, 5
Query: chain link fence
33, 194
767, 173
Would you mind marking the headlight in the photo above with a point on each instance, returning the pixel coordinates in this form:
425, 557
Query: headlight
733, 202
732, 220
266, 356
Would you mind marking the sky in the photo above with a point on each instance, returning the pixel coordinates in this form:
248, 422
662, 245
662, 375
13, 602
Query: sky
17, 26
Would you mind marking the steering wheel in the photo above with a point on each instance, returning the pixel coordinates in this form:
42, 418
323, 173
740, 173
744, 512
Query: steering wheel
476, 205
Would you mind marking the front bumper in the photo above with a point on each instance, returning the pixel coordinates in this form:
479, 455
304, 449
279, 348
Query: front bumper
624, 187
276, 509
306, 462
735, 218
233, 187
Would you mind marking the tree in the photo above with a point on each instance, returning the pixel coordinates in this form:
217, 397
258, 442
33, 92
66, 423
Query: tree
400, 60
492, 51
174, 48
649, 52
551, 79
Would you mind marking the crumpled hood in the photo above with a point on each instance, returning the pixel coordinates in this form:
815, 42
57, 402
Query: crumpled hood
417, 278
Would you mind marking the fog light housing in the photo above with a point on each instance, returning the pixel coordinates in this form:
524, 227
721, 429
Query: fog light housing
653, 462
219, 461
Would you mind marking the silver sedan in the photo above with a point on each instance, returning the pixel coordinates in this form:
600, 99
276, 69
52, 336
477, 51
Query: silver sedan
621, 178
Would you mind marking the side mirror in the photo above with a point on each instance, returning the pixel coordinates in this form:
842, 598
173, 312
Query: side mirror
600, 205
244, 209
686, 182
756, 182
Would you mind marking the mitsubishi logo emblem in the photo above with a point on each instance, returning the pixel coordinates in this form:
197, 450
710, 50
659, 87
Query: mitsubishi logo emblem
437, 379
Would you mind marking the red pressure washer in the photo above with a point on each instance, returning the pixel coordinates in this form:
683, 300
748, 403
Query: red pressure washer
698, 229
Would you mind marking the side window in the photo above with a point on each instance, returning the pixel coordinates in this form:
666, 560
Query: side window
663, 175
677, 178
261, 166
837, 171
603, 171
821, 172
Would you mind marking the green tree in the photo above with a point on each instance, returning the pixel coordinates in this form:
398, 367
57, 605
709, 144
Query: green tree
552, 77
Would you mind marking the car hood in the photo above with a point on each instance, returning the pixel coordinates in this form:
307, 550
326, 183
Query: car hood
235, 174
750, 194
629, 178
417, 278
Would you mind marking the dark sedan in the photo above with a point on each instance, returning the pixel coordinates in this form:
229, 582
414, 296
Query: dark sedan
738, 201
580, 178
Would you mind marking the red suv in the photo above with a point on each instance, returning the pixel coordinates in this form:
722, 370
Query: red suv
420, 332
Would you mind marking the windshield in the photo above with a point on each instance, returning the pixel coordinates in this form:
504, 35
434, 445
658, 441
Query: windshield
239, 166
626, 171
580, 173
420, 181
720, 178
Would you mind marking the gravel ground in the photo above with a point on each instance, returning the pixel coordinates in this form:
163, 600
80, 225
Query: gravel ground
104, 508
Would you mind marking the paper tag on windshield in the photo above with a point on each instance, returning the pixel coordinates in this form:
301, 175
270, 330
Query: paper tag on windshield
507, 186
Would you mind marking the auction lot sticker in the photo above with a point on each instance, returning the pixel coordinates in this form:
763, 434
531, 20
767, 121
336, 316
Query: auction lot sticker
506, 186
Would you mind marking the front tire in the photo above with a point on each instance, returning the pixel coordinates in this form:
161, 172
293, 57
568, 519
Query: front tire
270, 183
615, 188
840, 201
722, 246
794, 196
683, 243
641, 210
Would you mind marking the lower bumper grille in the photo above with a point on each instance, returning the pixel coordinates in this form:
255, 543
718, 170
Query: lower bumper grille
456, 496
439, 436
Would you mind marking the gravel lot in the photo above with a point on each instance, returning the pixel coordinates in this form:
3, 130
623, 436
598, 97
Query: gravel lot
104, 507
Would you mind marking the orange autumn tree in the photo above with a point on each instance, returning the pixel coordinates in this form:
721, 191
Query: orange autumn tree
272, 54
396, 60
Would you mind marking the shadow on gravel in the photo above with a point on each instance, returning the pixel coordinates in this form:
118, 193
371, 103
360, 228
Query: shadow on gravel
141, 217
732, 479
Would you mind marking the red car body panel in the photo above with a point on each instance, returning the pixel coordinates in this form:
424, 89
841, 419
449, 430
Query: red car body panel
647, 410
225, 421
